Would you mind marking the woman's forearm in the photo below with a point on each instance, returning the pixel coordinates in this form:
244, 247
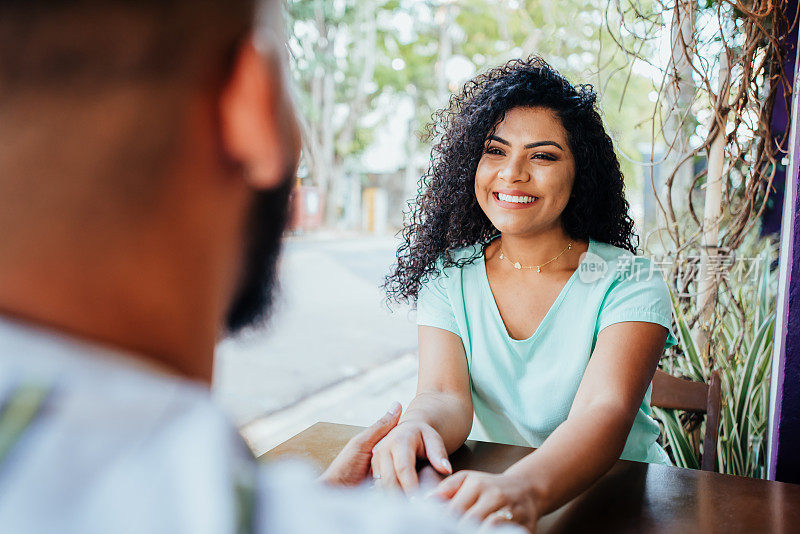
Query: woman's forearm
447, 413
574, 456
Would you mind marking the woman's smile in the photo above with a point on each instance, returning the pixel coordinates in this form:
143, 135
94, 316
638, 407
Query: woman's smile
514, 199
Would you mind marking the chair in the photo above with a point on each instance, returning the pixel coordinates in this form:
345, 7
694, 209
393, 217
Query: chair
675, 393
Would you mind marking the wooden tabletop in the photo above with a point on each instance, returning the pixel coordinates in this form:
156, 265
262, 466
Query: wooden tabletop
632, 497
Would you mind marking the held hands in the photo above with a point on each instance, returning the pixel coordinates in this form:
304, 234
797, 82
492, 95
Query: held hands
392, 450
490, 499
394, 459
351, 466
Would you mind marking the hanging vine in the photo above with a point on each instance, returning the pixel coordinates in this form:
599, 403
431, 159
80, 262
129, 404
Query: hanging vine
718, 69
713, 116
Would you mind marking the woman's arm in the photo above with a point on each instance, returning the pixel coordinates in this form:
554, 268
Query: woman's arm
438, 419
582, 448
443, 398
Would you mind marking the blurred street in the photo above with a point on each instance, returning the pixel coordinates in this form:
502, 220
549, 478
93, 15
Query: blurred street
333, 350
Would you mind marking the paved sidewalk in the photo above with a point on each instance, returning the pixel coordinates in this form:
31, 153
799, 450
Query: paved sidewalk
330, 325
358, 401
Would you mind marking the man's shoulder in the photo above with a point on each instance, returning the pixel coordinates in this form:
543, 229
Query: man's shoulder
108, 447
94, 462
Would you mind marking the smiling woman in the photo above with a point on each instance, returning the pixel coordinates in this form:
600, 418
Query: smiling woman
524, 192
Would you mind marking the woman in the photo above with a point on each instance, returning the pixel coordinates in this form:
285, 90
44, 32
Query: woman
533, 311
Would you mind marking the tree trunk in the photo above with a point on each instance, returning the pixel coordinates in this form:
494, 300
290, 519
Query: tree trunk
412, 172
444, 16
708, 282
680, 94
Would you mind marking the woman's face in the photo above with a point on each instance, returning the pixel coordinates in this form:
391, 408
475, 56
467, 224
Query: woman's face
525, 175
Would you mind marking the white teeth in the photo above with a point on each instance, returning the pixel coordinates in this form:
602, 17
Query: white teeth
518, 200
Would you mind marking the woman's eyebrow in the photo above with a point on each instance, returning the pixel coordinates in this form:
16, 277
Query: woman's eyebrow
541, 143
529, 145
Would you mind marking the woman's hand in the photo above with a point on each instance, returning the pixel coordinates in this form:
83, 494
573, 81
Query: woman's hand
351, 466
491, 499
394, 459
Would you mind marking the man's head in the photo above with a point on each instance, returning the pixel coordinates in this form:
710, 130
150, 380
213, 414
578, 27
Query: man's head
147, 149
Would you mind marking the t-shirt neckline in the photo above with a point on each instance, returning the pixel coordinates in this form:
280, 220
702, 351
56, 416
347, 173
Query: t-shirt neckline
550, 312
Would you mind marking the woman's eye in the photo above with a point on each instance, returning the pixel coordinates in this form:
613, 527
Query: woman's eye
543, 155
493, 150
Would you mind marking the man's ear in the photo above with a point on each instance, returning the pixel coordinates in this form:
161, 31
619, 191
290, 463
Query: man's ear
257, 119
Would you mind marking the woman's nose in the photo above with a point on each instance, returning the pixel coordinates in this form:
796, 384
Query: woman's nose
514, 171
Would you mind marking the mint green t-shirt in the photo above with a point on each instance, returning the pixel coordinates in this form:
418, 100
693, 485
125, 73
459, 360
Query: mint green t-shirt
523, 389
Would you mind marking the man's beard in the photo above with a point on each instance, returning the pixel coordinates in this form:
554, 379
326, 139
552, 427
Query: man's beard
258, 282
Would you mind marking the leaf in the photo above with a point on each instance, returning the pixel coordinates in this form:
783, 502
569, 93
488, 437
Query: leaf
682, 450
749, 377
688, 346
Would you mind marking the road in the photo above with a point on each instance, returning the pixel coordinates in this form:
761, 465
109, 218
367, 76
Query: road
330, 328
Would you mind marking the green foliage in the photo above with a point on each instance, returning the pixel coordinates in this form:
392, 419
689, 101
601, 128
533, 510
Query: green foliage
742, 345
680, 448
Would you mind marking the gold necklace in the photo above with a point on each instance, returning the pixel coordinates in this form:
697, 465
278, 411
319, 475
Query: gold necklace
538, 268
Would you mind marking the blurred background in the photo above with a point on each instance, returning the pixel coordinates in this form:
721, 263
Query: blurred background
368, 74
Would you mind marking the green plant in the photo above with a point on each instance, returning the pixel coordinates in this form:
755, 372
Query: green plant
742, 340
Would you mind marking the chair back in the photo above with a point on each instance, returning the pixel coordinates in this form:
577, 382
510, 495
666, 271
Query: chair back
675, 393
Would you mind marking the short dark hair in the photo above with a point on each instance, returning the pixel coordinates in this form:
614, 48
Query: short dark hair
446, 215
63, 45
59, 58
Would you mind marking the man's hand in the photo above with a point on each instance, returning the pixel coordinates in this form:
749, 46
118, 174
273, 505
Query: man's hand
352, 465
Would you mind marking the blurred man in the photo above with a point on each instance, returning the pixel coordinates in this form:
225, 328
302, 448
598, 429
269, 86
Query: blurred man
147, 149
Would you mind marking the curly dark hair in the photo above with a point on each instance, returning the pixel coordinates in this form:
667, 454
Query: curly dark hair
446, 216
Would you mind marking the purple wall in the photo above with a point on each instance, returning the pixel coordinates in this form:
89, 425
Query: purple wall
771, 218
784, 461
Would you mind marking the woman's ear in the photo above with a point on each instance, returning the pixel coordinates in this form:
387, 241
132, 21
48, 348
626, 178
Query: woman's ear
257, 118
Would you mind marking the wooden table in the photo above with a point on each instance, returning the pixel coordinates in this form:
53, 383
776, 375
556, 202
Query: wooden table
632, 497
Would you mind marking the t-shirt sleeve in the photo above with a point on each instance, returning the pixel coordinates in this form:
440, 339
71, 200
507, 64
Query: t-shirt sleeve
433, 304
638, 298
